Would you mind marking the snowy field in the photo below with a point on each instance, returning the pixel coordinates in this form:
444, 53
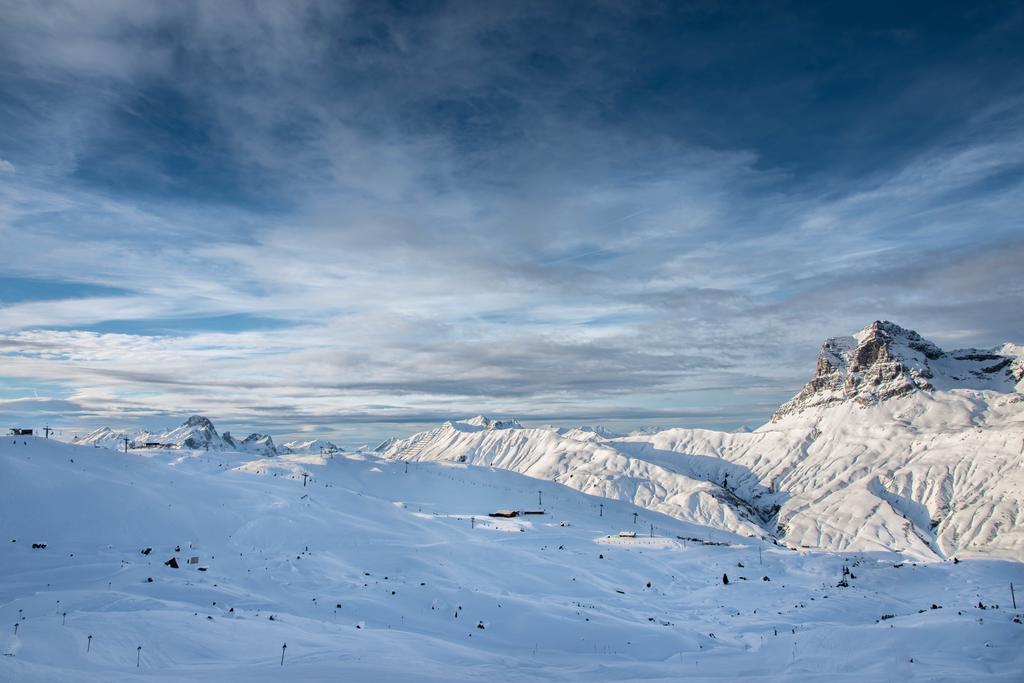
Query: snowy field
381, 570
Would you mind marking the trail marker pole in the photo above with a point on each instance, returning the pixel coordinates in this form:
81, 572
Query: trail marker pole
126, 444
88, 644
634, 518
283, 648
64, 621
47, 431
601, 513
652, 531
472, 525
1013, 596
540, 500
407, 467
304, 475
15, 628
760, 562
138, 656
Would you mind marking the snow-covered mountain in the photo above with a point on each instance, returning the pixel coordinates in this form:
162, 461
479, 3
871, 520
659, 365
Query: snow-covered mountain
196, 433
261, 444
104, 437
481, 422
885, 361
311, 446
894, 444
589, 433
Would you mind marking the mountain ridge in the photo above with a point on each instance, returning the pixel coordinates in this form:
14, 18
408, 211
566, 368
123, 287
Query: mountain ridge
894, 444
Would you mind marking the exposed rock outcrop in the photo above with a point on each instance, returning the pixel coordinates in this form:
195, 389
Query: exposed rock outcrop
885, 361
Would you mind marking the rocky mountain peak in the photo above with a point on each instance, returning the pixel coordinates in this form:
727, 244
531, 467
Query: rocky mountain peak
260, 443
882, 336
885, 361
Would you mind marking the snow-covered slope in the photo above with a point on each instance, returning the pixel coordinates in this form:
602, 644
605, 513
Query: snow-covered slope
104, 437
310, 446
894, 444
597, 467
588, 433
372, 570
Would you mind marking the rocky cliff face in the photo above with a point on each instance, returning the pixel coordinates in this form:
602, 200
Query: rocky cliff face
259, 443
885, 361
197, 433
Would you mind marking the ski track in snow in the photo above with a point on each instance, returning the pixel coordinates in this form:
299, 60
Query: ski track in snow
414, 576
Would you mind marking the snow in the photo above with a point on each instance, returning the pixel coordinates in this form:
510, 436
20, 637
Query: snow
932, 474
588, 433
481, 422
418, 568
197, 432
310, 446
870, 530
894, 445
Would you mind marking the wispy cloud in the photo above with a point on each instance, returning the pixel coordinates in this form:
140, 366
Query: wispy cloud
315, 214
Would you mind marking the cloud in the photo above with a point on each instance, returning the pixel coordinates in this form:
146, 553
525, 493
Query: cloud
308, 213
6, 166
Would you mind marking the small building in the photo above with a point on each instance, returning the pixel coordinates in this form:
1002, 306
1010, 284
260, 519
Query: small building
627, 534
504, 513
16, 431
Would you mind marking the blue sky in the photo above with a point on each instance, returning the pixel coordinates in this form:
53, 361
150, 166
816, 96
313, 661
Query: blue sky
355, 219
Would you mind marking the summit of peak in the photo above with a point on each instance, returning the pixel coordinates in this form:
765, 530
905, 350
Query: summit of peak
886, 333
488, 423
885, 360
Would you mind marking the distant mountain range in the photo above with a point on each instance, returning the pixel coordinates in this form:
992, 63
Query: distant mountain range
198, 433
893, 444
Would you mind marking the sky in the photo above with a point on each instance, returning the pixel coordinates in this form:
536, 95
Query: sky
357, 219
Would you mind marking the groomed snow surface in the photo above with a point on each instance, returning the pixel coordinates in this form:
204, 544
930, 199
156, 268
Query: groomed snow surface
385, 570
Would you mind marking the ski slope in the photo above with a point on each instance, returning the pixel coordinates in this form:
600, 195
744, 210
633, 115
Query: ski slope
893, 445
382, 570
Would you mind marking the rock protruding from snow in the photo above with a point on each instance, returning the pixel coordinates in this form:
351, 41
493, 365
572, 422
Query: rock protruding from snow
197, 433
262, 444
885, 361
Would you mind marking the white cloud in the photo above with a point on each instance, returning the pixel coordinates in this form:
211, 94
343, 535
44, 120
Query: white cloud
576, 267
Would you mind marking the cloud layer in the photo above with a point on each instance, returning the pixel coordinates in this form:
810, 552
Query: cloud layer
357, 218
